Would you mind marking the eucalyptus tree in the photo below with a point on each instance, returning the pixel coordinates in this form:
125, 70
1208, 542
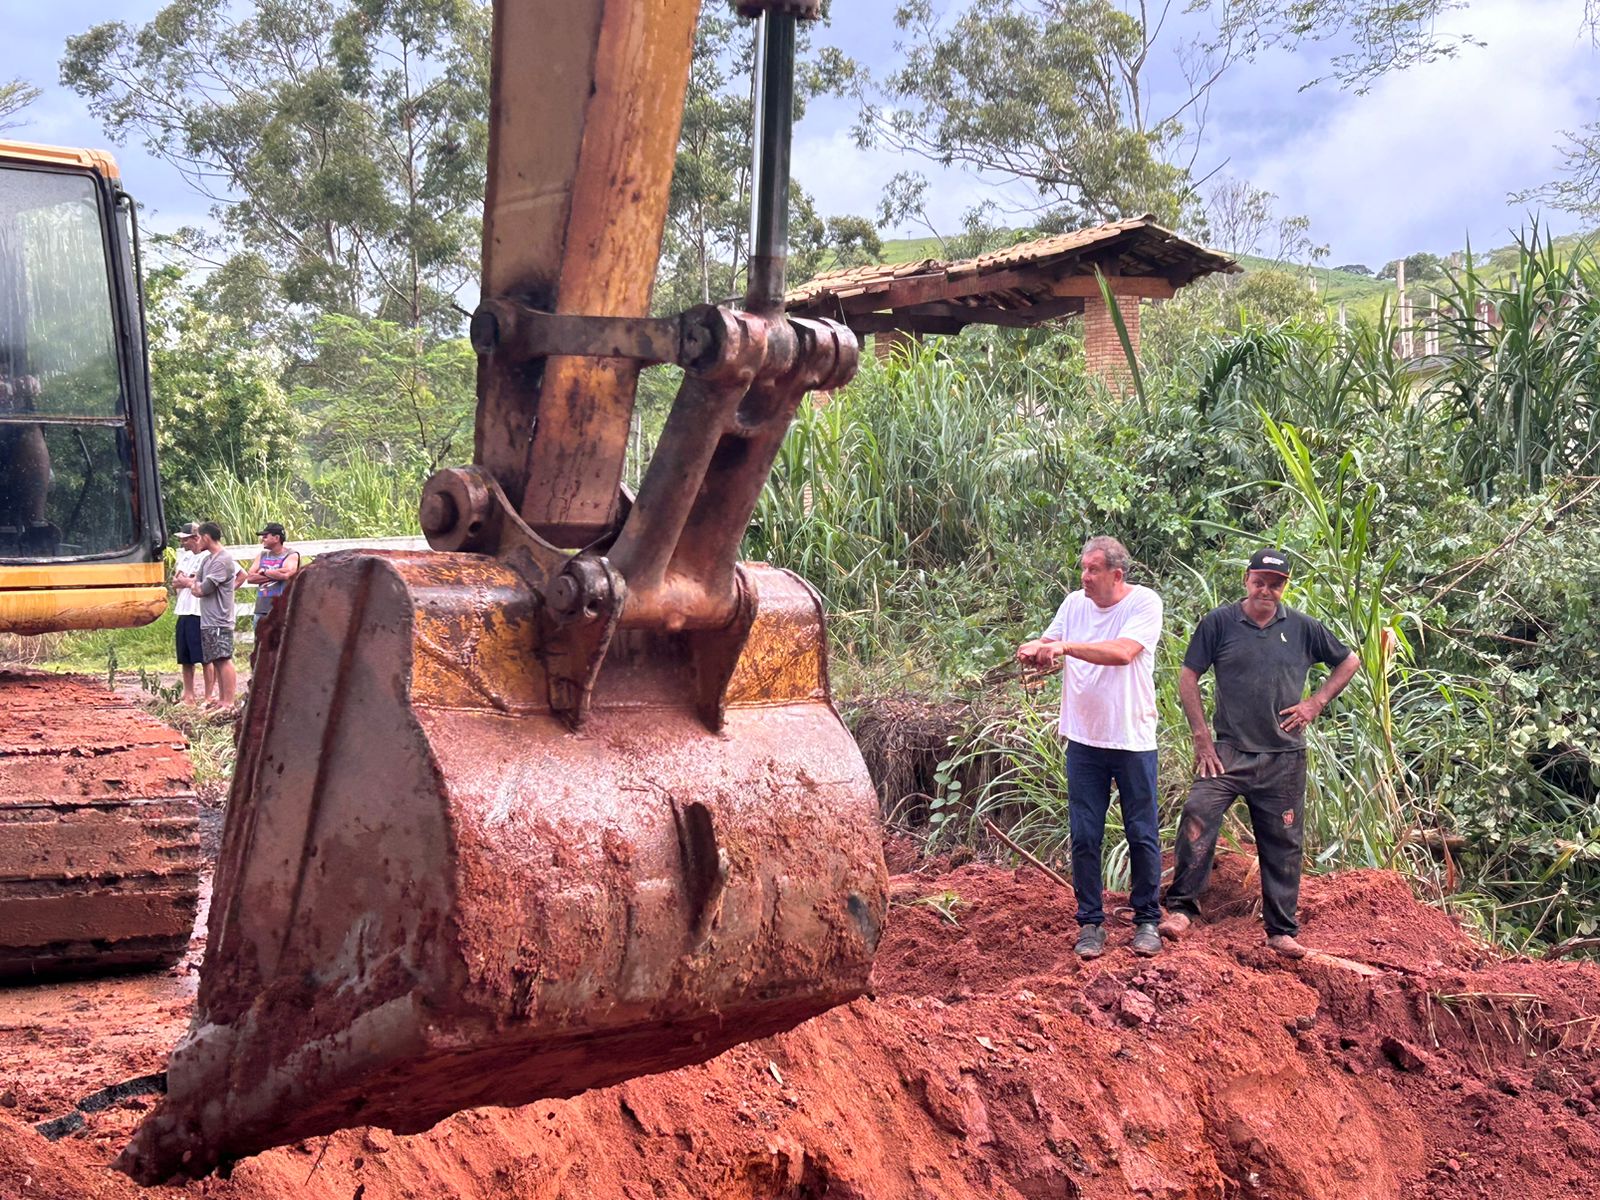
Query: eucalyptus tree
342, 142
15, 95
1074, 100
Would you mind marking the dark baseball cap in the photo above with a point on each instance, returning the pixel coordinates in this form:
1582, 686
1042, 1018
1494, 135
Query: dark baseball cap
274, 529
192, 529
1273, 562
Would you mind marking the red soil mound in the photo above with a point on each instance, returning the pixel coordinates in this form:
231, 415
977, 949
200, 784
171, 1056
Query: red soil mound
1402, 1061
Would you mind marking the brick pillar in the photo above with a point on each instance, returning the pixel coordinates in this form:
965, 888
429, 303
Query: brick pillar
1102, 349
885, 344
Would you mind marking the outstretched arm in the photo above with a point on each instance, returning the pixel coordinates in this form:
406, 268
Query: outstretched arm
1029, 652
1036, 653
1118, 652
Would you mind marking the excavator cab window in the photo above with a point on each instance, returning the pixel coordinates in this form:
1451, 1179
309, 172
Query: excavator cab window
66, 450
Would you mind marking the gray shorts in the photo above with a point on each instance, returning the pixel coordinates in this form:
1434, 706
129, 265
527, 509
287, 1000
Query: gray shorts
216, 645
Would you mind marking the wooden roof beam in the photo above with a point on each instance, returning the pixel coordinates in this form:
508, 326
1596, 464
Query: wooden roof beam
915, 290
949, 318
1023, 317
906, 323
929, 289
1145, 287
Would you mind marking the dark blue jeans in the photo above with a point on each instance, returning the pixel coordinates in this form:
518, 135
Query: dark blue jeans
1090, 773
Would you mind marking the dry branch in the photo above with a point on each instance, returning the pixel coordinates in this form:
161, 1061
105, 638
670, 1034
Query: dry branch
1575, 945
994, 831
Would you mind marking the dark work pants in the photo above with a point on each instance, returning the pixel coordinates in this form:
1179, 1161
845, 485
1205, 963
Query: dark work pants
1274, 788
1090, 773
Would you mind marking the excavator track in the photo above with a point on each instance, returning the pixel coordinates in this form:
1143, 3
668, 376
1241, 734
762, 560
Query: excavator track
99, 832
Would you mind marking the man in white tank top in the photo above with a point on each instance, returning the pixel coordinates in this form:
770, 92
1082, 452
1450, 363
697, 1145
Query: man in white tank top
1106, 633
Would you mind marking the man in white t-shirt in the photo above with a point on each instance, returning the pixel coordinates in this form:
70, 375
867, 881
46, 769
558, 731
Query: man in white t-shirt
191, 560
1107, 634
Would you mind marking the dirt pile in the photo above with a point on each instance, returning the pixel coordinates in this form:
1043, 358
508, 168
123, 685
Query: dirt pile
1402, 1061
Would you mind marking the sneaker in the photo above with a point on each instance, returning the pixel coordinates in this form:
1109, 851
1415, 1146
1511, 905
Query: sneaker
1174, 925
1091, 942
1286, 945
1146, 939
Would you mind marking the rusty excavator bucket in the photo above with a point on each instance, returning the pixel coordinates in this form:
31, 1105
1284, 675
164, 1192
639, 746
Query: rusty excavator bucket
566, 800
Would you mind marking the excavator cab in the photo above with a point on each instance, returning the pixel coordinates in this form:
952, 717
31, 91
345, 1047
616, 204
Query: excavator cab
77, 464
99, 831
565, 800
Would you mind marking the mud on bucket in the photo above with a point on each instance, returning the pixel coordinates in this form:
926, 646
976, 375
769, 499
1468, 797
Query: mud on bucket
433, 895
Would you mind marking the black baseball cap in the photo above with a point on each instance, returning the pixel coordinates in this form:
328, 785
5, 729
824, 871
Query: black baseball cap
274, 529
192, 529
1273, 562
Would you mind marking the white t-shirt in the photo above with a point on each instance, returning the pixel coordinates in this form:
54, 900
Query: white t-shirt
189, 563
1110, 707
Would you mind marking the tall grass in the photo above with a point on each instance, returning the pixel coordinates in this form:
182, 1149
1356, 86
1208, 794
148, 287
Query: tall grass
1523, 389
917, 499
357, 496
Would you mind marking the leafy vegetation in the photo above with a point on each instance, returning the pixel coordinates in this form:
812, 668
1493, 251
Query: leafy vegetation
342, 142
15, 95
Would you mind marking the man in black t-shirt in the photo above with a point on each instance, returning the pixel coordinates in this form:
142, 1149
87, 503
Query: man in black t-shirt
1260, 650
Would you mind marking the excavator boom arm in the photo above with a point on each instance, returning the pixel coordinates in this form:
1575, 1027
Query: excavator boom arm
587, 102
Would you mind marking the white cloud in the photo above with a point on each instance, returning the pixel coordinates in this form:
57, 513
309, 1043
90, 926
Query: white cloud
1428, 156
843, 178
840, 176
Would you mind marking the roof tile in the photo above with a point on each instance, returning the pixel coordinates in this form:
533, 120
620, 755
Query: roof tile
1145, 239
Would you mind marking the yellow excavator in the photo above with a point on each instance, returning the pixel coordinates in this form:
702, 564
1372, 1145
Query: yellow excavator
566, 800
99, 837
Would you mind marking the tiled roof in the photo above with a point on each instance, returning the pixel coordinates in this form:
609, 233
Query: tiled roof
1138, 247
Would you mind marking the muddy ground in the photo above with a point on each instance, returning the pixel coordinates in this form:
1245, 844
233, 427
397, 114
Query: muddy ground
1404, 1060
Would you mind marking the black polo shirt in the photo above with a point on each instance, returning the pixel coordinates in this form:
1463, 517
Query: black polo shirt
1260, 671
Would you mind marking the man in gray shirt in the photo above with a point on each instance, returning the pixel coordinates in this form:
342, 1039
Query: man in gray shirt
1260, 650
215, 586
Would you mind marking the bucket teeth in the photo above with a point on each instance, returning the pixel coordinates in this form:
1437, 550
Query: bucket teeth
433, 895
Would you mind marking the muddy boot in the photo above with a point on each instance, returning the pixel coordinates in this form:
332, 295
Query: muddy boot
1286, 945
1146, 939
1174, 925
1091, 942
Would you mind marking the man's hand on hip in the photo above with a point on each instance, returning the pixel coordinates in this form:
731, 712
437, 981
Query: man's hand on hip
1297, 716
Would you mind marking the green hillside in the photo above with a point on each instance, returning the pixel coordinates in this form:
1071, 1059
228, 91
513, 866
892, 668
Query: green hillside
1362, 295
903, 250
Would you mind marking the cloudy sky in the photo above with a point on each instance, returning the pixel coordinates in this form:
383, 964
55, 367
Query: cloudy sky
1424, 160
